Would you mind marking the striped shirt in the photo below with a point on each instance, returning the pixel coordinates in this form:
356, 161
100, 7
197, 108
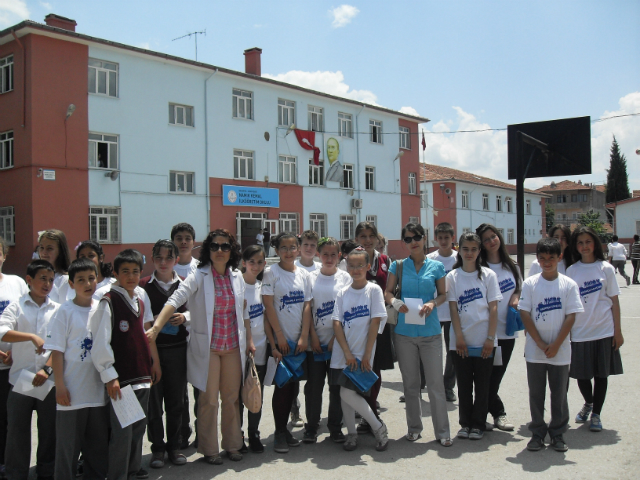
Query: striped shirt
635, 251
224, 333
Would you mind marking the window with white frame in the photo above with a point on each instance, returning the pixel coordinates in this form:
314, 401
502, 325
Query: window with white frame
103, 151
6, 74
415, 220
6, 150
527, 207
318, 223
242, 104
180, 115
286, 169
413, 184
375, 131
243, 165
372, 219
465, 199
289, 222
316, 173
8, 225
286, 112
498, 203
423, 200
345, 125
508, 202
103, 77
501, 232
485, 201
405, 138
315, 119
369, 178
347, 227
181, 182
510, 236
104, 224
347, 176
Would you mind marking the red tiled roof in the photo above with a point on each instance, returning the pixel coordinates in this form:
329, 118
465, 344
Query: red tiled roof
622, 202
434, 173
569, 185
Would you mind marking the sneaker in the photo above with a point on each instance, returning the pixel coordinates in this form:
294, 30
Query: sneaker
451, 395
142, 474
177, 458
596, 423
213, 459
234, 456
350, 442
382, 437
535, 444
310, 436
291, 441
296, 420
583, 415
157, 460
413, 436
557, 443
337, 436
280, 444
503, 423
463, 432
363, 427
476, 434
628, 279
401, 399
255, 444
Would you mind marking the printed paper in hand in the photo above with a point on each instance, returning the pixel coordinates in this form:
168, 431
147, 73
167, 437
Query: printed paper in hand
497, 360
271, 371
128, 407
24, 385
413, 316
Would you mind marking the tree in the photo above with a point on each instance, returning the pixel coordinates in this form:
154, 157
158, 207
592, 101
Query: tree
617, 178
550, 215
592, 219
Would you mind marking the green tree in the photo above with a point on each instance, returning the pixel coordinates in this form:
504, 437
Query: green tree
592, 219
617, 178
550, 215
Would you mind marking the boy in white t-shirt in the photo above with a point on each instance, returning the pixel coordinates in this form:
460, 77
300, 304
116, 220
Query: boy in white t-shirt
82, 418
618, 257
184, 235
447, 256
548, 304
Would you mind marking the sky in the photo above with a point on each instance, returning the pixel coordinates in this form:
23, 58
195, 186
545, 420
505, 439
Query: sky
464, 64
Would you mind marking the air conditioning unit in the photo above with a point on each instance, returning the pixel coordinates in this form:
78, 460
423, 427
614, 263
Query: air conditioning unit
356, 203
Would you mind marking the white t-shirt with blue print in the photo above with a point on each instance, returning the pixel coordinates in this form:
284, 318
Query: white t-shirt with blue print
12, 288
507, 284
444, 315
254, 311
325, 291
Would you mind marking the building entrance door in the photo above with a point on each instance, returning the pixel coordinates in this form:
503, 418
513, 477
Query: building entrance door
248, 225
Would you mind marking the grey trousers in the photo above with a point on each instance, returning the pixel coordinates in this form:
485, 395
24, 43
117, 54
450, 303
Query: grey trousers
18, 453
125, 444
86, 430
410, 352
619, 265
558, 377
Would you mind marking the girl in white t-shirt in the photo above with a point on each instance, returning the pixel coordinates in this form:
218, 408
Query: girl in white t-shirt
93, 251
563, 234
359, 314
473, 294
286, 294
54, 249
596, 336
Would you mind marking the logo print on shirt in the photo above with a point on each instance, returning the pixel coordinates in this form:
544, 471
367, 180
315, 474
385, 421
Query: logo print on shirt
85, 346
547, 305
4, 304
589, 287
295, 296
467, 297
323, 311
124, 326
506, 285
355, 312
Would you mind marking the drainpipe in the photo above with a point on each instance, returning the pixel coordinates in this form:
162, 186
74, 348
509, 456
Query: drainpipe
24, 78
206, 154
358, 156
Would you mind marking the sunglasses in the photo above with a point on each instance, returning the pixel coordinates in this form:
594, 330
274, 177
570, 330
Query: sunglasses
225, 247
417, 238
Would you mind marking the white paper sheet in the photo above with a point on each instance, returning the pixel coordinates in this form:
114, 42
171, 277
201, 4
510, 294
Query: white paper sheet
25, 386
413, 316
497, 358
128, 407
271, 371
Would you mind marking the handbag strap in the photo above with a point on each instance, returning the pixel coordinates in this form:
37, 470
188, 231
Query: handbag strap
399, 272
249, 365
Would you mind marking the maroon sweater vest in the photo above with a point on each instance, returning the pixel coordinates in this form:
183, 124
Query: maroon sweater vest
381, 274
128, 341
158, 298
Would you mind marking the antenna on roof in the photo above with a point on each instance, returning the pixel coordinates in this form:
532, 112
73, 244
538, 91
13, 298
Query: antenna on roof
195, 34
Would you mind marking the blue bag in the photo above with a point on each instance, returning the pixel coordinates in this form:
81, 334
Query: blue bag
170, 329
514, 322
477, 352
290, 367
362, 379
324, 356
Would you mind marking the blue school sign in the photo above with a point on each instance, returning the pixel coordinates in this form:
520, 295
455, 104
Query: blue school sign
234, 195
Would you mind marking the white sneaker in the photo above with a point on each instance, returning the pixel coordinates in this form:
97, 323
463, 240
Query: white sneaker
382, 437
502, 423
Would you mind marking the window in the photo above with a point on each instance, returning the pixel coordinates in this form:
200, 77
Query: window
574, 197
347, 227
527, 208
509, 204
582, 197
289, 222
6, 74
574, 216
6, 150
286, 169
485, 201
501, 231
347, 176
405, 138
375, 131
372, 219
103, 151
345, 122
8, 225
369, 178
242, 104
181, 182
315, 119
413, 189
465, 199
243, 165
286, 112
103, 78
318, 223
180, 115
415, 220
104, 224
423, 200
498, 203
510, 236
316, 173
561, 199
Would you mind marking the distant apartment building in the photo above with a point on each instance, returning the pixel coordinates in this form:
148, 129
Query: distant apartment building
569, 199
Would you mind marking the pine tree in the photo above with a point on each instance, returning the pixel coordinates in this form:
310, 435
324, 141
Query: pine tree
617, 177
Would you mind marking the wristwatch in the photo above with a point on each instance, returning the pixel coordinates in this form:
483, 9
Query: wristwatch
48, 370
491, 337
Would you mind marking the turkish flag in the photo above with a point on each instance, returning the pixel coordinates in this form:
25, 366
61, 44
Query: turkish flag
424, 143
307, 140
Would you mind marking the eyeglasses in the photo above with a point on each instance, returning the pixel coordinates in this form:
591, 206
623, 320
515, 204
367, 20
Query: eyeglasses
225, 247
290, 249
490, 239
417, 238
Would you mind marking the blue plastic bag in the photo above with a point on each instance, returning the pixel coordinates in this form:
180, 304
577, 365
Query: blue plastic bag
362, 379
290, 367
477, 352
514, 322
324, 356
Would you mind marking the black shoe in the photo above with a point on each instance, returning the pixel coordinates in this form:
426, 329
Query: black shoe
337, 436
450, 394
310, 436
142, 473
243, 448
255, 444
291, 440
363, 427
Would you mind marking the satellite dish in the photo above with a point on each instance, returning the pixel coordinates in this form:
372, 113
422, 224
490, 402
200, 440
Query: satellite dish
267, 136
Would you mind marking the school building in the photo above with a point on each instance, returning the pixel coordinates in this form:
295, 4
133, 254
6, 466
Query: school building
466, 200
117, 143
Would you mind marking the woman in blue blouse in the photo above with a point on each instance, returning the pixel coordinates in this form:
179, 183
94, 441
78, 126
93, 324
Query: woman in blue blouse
422, 278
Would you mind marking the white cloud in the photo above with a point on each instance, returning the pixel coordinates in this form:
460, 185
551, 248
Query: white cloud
343, 15
145, 45
409, 111
46, 5
13, 11
327, 82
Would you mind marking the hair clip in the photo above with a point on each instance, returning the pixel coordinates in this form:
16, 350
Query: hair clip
359, 248
42, 232
77, 246
322, 241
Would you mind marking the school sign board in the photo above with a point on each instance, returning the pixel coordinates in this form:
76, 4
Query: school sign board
236, 196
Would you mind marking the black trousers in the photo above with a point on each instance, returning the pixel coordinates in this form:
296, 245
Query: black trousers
254, 418
317, 373
5, 388
473, 373
496, 407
